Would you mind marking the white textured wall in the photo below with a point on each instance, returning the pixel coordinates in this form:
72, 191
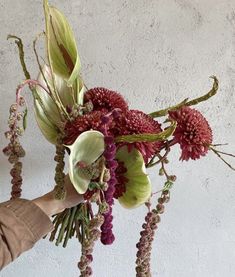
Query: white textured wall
156, 52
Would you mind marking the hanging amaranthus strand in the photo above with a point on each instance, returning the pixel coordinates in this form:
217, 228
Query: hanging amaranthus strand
93, 234
17, 125
144, 245
59, 190
14, 150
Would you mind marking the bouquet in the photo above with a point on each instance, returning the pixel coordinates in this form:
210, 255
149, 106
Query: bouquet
108, 145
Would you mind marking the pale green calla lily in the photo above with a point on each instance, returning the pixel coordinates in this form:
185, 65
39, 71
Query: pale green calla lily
61, 45
62, 75
67, 95
87, 148
138, 188
47, 128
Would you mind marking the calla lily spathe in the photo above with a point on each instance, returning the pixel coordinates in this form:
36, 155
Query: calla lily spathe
87, 148
68, 96
61, 45
138, 187
61, 74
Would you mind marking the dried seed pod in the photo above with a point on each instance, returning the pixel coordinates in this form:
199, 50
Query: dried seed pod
160, 208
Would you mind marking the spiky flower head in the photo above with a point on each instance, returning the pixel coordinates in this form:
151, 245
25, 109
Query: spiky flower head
89, 121
193, 133
137, 122
105, 100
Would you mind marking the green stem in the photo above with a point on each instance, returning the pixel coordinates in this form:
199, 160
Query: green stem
19, 43
72, 232
148, 137
208, 95
39, 65
165, 111
185, 102
83, 225
58, 220
62, 229
160, 158
69, 229
77, 221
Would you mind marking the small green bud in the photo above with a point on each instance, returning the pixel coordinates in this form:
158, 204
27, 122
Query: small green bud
161, 171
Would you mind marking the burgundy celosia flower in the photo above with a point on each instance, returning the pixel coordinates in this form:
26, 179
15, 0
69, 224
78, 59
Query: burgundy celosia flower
193, 133
105, 99
137, 122
81, 124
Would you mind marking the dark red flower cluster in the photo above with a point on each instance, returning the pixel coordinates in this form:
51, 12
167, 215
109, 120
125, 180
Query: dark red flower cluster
128, 122
91, 120
193, 133
104, 99
137, 122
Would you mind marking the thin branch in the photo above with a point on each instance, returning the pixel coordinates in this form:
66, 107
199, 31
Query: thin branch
161, 158
218, 154
39, 64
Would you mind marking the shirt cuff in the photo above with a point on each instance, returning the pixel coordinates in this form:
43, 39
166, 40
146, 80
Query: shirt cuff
31, 215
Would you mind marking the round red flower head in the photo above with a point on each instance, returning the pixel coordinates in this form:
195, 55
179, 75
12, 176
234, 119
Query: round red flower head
193, 133
137, 122
104, 99
89, 121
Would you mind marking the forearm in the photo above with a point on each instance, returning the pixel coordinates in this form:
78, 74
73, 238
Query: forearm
22, 224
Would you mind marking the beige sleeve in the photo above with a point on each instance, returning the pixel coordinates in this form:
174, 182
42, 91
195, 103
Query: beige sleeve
22, 224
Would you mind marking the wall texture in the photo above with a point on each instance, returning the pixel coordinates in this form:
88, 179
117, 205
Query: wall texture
156, 52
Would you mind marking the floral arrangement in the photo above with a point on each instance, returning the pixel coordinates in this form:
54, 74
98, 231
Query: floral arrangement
109, 145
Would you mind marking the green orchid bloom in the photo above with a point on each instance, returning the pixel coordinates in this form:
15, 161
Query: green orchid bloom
61, 45
138, 187
67, 95
86, 149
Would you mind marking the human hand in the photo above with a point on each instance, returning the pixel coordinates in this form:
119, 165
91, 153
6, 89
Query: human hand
52, 206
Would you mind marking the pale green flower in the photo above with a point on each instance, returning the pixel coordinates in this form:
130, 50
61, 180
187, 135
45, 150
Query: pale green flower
138, 187
67, 95
87, 148
61, 45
